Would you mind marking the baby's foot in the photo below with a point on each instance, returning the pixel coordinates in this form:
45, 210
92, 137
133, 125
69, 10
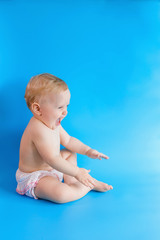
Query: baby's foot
101, 186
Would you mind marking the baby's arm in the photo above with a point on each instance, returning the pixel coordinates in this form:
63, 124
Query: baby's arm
45, 147
77, 146
72, 143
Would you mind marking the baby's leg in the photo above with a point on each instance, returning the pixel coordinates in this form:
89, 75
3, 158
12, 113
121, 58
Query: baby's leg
49, 188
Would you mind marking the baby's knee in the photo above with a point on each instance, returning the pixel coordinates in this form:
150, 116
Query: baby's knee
74, 155
65, 153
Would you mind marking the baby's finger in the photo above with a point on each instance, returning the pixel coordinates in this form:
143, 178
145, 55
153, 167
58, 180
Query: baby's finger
85, 183
104, 156
89, 184
98, 156
91, 180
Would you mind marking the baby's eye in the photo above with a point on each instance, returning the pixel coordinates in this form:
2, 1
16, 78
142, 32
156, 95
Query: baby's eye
62, 107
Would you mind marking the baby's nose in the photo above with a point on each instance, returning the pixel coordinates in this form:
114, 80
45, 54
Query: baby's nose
64, 112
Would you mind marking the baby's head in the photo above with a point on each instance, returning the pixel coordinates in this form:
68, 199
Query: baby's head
47, 97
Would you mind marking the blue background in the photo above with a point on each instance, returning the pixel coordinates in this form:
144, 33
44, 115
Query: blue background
108, 52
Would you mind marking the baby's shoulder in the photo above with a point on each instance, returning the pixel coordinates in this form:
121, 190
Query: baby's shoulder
39, 132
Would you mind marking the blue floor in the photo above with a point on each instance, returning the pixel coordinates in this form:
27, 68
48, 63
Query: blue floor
130, 211
108, 53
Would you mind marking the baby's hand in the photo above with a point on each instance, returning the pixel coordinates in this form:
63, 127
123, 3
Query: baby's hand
95, 154
83, 177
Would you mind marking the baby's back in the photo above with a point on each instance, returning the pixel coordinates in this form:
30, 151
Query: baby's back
30, 160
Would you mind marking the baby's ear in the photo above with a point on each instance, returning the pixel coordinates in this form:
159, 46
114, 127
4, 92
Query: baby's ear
36, 109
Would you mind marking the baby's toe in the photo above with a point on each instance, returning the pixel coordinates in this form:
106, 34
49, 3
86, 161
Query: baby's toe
109, 187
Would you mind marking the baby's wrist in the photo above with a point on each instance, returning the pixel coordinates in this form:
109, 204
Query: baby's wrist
87, 150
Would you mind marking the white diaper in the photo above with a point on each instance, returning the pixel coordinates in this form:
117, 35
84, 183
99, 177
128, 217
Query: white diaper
28, 181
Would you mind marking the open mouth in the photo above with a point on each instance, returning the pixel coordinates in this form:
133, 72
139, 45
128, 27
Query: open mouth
58, 122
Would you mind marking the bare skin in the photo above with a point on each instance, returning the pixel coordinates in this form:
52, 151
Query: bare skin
40, 150
51, 189
72, 158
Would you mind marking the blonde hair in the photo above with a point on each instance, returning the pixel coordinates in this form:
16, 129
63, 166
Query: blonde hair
42, 84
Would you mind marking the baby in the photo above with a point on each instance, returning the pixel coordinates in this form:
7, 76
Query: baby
42, 165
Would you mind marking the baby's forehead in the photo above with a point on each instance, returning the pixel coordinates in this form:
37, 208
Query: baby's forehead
65, 93
62, 95
59, 97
